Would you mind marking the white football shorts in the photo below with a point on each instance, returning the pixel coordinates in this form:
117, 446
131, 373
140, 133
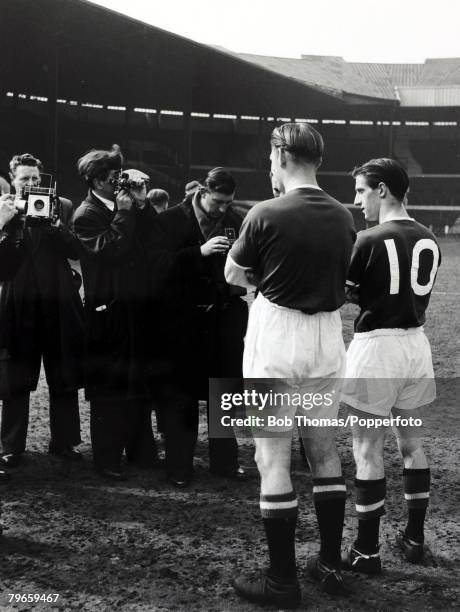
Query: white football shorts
298, 352
389, 368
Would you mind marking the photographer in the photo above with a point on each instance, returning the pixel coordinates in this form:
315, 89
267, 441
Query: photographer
111, 225
41, 315
158, 200
204, 318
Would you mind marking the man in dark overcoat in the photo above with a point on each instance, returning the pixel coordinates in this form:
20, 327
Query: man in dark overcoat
110, 227
204, 318
41, 317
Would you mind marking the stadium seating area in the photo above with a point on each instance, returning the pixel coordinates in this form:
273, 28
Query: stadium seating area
437, 156
154, 142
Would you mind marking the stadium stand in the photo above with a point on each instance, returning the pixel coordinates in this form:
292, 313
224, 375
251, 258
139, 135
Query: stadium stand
188, 107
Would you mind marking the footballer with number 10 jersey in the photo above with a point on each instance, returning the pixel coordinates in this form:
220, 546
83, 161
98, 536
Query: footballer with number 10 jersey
393, 268
392, 271
389, 365
394, 264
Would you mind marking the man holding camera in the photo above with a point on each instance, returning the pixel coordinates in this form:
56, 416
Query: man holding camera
41, 313
204, 318
112, 226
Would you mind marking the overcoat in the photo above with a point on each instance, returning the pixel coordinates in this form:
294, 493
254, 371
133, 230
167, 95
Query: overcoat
203, 318
115, 263
40, 308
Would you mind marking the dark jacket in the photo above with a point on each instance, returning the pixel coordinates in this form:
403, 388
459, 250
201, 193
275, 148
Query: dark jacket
204, 319
114, 265
40, 307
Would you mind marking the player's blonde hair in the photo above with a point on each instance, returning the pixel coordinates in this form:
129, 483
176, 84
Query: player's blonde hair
301, 140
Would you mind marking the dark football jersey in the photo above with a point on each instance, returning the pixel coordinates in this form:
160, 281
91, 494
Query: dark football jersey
395, 265
299, 245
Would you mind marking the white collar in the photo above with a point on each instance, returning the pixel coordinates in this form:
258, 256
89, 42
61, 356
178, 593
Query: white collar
303, 186
399, 219
109, 203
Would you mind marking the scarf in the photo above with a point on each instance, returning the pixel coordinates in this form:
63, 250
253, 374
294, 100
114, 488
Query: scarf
208, 224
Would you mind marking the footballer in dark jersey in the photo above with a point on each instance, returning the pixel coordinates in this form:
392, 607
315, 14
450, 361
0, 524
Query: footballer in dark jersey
394, 264
389, 366
299, 246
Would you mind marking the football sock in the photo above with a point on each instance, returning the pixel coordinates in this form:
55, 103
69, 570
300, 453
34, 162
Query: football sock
367, 541
279, 513
329, 496
370, 506
416, 494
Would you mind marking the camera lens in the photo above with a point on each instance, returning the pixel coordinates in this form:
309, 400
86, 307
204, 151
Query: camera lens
39, 204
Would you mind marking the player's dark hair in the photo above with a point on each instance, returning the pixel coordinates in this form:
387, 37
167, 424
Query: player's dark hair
385, 170
26, 159
220, 180
96, 164
301, 140
158, 196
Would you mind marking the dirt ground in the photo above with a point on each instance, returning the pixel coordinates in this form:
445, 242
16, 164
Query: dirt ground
142, 545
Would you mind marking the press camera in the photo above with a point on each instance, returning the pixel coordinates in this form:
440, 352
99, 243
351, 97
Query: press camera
37, 202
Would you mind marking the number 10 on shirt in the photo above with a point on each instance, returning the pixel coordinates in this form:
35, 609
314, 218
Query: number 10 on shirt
419, 247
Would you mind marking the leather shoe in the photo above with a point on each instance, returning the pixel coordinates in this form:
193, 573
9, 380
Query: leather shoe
69, 454
329, 577
10, 459
263, 589
114, 475
413, 551
4, 476
239, 474
179, 483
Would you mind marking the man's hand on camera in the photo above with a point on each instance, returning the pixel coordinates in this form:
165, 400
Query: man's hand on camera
7, 209
139, 196
124, 200
218, 244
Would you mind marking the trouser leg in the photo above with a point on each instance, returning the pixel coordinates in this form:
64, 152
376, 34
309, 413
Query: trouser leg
107, 421
227, 357
223, 451
180, 425
139, 443
15, 421
64, 419
223, 455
